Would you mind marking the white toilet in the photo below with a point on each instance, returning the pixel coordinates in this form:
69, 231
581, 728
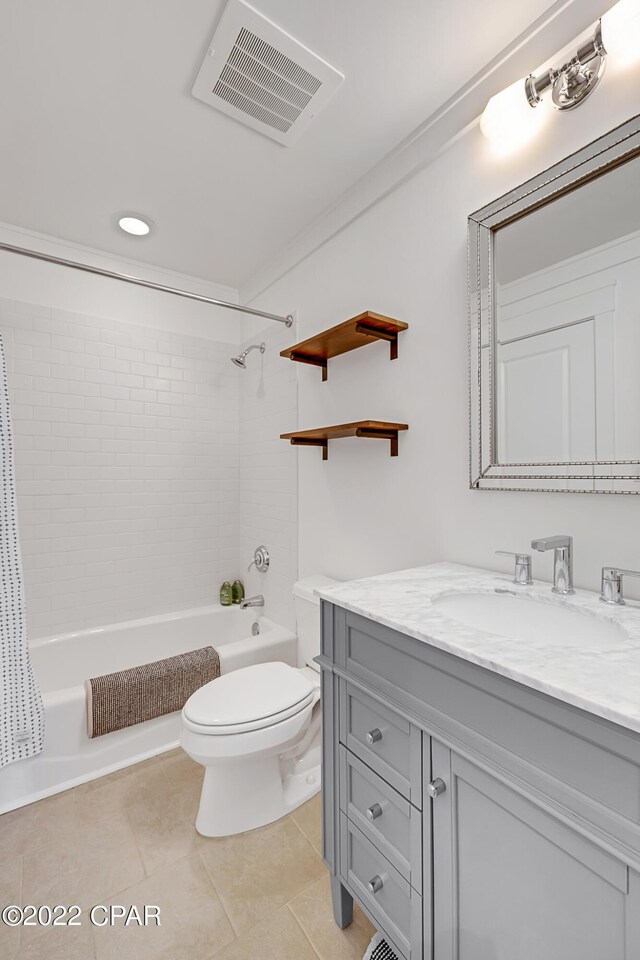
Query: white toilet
256, 731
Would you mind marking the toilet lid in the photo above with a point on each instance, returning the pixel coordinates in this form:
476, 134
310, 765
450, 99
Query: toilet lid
248, 695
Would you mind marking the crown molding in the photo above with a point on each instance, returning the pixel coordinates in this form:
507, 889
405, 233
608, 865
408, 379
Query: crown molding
56, 246
564, 21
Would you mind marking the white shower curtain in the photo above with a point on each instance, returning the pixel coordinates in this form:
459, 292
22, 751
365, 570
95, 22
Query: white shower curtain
21, 713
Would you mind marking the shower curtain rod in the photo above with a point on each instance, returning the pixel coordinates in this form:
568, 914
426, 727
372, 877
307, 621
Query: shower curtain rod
127, 278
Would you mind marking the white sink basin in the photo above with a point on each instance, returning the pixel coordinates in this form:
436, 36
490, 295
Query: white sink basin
524, 618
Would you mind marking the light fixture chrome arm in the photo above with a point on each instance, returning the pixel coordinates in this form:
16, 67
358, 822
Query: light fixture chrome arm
611, 590
138, 281
574, 80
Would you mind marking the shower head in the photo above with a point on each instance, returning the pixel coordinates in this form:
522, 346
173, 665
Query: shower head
241, 359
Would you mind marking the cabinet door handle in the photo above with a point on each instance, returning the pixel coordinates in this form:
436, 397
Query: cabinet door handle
374, 811
375, 885
374, 736
436, 787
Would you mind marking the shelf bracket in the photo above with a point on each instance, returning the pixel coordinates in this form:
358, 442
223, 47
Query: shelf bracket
391, 435
310, 442
368, 330
314, 361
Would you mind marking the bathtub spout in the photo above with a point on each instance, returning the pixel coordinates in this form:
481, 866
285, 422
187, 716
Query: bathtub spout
252, 602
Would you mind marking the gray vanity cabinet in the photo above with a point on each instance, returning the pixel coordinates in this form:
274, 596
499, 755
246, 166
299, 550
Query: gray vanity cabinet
511, 881
471, 817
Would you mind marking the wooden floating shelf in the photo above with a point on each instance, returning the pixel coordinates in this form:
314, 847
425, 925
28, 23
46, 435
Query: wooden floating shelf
370, 429
357, 332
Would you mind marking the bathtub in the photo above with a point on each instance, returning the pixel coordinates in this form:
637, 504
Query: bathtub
63, 663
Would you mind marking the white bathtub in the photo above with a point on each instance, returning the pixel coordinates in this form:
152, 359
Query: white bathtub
63, 663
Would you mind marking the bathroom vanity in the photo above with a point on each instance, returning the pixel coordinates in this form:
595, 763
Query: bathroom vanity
482, 787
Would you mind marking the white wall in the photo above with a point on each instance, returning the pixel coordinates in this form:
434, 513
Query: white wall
59, 287
363, 512
126, 453
268, 503
132, 494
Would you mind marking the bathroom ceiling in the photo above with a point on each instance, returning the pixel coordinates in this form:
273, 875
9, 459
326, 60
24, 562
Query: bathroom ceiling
98, 118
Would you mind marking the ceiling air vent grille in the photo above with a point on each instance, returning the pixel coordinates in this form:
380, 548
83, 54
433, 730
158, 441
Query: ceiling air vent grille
258, 74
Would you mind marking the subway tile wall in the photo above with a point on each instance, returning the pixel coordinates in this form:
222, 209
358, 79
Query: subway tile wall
268, 470
127, 466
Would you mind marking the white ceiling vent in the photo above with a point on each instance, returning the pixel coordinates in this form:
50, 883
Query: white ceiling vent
261, 76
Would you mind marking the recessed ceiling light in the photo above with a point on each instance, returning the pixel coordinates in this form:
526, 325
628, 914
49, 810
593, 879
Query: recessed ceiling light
134, 225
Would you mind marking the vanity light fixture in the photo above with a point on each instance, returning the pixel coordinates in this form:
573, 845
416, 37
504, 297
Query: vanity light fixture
134, 224
514, 116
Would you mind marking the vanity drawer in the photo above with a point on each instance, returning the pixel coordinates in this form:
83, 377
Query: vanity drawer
383, 739
394, 905
389, 821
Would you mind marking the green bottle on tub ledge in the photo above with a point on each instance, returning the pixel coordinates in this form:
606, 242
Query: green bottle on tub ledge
237, 591
231, 594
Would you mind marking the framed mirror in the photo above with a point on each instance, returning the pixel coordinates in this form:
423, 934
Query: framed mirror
554, 327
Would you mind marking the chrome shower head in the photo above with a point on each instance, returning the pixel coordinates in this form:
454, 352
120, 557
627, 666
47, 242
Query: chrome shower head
241, 359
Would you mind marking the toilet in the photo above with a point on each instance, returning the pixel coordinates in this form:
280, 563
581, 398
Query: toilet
256, 731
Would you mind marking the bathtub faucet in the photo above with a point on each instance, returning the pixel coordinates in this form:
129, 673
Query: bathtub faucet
252, 602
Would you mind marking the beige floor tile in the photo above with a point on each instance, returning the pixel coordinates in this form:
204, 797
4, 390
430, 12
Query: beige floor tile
36, 825
256, 873
86, 868
313, 911
277, 938
193, 923
179, 768
117, 791
309, 818
59, 943
164, 826
10, 893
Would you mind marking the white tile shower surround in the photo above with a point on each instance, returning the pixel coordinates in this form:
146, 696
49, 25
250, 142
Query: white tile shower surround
129, 470
268, 470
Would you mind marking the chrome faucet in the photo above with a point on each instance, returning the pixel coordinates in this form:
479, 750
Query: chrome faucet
611, 586
252, 602
522, 572
562, 561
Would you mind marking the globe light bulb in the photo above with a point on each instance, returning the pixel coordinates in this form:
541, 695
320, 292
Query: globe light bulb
621, 33
509, 122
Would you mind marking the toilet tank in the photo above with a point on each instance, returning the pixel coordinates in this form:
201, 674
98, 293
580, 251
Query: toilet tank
307, 608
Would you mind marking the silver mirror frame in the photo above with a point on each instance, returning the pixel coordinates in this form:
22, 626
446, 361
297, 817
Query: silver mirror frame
485, 472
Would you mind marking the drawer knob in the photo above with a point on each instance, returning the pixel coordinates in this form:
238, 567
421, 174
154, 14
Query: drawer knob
374, 736
375, 885
374, 811
436, 787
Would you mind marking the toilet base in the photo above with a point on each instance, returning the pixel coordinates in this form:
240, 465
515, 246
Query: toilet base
237, 797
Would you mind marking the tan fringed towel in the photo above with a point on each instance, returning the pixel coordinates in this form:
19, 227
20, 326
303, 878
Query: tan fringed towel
119, 700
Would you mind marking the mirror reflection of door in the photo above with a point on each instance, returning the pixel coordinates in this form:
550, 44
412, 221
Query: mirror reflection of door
546, 396
567, 327
555, 384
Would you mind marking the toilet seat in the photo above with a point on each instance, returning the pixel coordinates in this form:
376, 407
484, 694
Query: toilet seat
249, 699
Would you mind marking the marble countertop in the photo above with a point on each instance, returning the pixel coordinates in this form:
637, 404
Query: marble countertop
603, 679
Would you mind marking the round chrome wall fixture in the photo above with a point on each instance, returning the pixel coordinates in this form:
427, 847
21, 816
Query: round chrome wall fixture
261, 559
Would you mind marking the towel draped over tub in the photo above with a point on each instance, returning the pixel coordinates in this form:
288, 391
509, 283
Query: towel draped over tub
21, 712
118, 700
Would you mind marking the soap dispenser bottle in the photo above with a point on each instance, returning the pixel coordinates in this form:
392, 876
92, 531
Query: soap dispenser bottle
237, 591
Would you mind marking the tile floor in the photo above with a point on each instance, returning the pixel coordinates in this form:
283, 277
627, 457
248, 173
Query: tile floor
129, 838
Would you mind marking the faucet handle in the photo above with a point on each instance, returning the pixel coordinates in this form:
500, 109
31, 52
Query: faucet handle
611, 590
522, 572
261, 559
